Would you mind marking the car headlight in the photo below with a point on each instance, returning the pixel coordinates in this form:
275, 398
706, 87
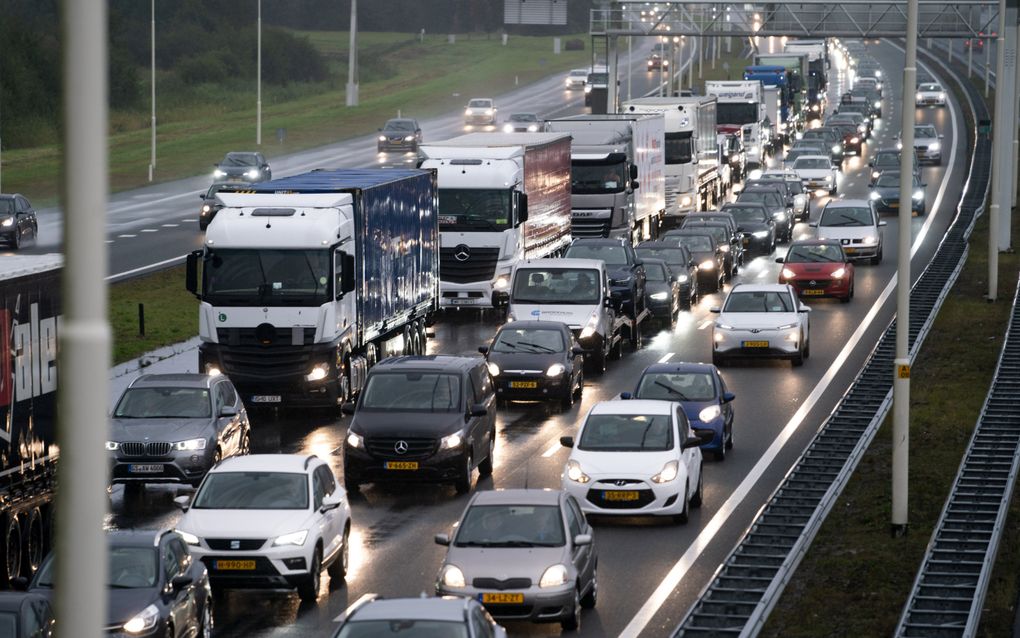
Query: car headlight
190, 445
488, 111
587, 88
451, 441
408, 138
855, 140
493, 369
355, 440
709, 413
779, 217
318, 372
188, 537
708, 264
574, 472
815, 108
145, 621
919, 97
793, 337
682, 279
839, 273
828, 178
590, 327
761, 234
788, 274
756, 173
686, 200
555, 370
835, 148
533, 128
205, 209
452, 577
934, 146
665, 63
294, 538
874, 195
942, 96
382, 138
508, 128
899, 145
799, 135
554, 576
659, 296
252, 174
725, 248
7, 222
467, 111
878, 74
219, 173
877, 104
919, 195
668, 473
112, 446
875, 174
862, 128
871, 240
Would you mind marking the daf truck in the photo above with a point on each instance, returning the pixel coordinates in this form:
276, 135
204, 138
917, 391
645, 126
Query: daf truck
740, 109
694, 179
503, 197
305, 282
617, 174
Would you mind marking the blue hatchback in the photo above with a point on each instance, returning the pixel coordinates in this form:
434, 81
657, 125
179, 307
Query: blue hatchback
701, 390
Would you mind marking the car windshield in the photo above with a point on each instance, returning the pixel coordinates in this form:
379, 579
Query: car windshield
239, 159
164, 403
674, 256
480, 104
814, 253
746, 213
579, 73
846, 216
890, 179
695, 243
812, 163
556, 286
593, 177
209, 194
612, 255
930, 87
529, 340
474, 209
266, 277
718, 233
412, 392
523, 117
676, 386
925, 132
758, 301
511, 526
400, 125
770, 199
655, 272
6, 206
886, 159
129, 568
405, 628
627, 433
253, 491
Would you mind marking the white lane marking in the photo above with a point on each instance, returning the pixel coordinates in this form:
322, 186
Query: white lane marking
666, 357
150, 230
553, 448
698, 546
762, 274
109, 241
170, 225
126, 236
165, 262
188, 221
704, 324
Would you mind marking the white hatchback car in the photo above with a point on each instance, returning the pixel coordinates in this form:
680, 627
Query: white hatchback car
480, 111
817, 173
636, 458
855, 223
927, 143
930, 94
269, 521
762, 320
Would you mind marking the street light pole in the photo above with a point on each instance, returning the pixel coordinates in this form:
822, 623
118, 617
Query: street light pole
352, 58
901, 364
152, 82
258, 86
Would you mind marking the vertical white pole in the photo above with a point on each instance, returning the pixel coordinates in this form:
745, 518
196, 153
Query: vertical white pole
152, 81
1015, 166
84, 352
1006, 85
988, 62
258, 88
612, 86
352, 58
1001, 135
630, 63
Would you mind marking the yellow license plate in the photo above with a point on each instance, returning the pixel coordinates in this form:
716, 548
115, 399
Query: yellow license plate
401, 465
849, 250
620, 495
225, 565
814, 292
756, 344
894, 204
524, 384
503, 599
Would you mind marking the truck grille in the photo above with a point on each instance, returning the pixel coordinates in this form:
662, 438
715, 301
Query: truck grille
266, 361
275, 336
588, 227
386, 447
480, 265
153, 448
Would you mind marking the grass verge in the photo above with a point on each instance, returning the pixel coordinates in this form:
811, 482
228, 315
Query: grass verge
171, 313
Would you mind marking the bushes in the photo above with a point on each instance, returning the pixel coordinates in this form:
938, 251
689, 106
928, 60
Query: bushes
574, 44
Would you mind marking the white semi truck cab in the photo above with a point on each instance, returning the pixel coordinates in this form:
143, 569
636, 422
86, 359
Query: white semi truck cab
741, 108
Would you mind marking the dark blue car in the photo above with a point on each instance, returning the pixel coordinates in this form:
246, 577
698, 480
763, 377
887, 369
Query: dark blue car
701, 390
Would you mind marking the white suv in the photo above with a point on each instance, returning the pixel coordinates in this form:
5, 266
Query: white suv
269, 521
761, 320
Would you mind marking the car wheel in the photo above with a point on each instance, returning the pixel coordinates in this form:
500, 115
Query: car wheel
598, 361
807, 349
244, 447
717, 360
798, 359
463, 482
729, 440
573, 621
205, 628
485, 467
580, 385
16, 239
308, 590
877, 259
338, 569
567, 400
720, 454
351, 485
592, 597
685, 515
699, 495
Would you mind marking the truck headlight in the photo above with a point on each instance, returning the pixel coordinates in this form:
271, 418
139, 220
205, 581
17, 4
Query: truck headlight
493, 369
501, 282
574, 472
659, 296
709, 413
212, 370
451, 442
294, 538
190, 445
318, 372
555, 370
685, 200
668, 473
144, 621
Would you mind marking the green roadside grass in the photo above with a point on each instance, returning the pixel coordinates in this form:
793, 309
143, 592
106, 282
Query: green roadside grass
399, 74
171, 313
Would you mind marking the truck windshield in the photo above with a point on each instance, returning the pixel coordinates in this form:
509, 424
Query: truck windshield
592, 177
679, 148
736, 112
266, 277
474, 209
556, 286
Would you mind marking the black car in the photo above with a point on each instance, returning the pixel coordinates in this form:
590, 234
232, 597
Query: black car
707, 253
680, 262
154, 587
756, 226
210, 205
171, 428
888, 159
853, 139
17, 220
25, 615
243, 167
727, 241
523, 123
833, 142
885, 193
663, 291
774, 198
536, 360
626, 274
399, 134
422, 418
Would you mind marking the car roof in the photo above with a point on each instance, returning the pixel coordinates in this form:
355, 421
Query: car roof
679, 366
656, 261
517, 497
821, 157
690, 230
732, 205
133, 538
447, 608
401, 119
267, 463
596, 241
535, 325
427, 362
174, 380
634, 406
815, 242
760, 288
847, 203
558, 263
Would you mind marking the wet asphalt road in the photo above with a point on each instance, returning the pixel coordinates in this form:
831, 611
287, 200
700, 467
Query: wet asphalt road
392, 549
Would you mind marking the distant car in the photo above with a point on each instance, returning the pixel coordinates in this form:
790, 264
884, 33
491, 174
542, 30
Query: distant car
681, 264
853, 139
707, 255
210, 206
927, 144
663, 292
701, 390
536, 360
833, 140
576, 78
761, 320
801, 210
713, 265
523, 123
422, 419
854, 223
885, 193
756, 226
636, 458
656, 61
154, 586
626, 274
399, 134
449, 616
480, 111
171, 428
888, 159
17, 220
25, 615
269, 521
243, 167
818, 268
817, 173
775, 201
525, 555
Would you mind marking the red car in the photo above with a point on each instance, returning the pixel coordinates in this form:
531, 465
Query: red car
818, 268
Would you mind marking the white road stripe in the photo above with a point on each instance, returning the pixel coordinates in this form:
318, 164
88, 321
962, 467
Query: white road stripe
133, 271
150, 230
666, 357
553, 448
188, 221
126, 236
704, 324
170, 225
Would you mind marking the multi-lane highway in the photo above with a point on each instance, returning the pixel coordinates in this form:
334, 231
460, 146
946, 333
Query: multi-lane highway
650, 571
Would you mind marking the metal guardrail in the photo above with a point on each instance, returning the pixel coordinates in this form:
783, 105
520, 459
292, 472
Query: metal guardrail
749, 583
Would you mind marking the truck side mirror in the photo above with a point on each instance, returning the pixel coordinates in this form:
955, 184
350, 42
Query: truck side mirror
634, 184
347, 276
633, 172
191, 272
522, 208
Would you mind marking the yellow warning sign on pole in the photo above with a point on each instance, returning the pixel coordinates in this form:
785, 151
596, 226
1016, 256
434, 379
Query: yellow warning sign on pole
903, 371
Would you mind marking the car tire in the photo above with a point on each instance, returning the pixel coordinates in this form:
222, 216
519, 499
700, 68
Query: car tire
798, 359
598, 361
807, 349
720, 454
685, 515
567, 400
579, 392
572, 622
485, 467
337, 570
699, 494
592, 597
351, 485
877, 259
463, 483
729, 441
205, 620
308, 589
16, 239
717, 360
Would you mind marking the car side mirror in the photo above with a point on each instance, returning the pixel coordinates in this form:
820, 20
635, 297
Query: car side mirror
183, 502
881, 223
633, 172
228, 410
180, 583
442, 539
689, 442
804, 308
478, 410
941, 136
779, 260
347, 407
582, 539
331, 501
813, 224
626, 396
201, 196
483, 349
715, 309
577, 350
728, 396
567, 441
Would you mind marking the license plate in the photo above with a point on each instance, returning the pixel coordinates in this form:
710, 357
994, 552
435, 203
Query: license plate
145, 469
503, 599
524, 384
756, 344
401, 465
894, 204
266, 398
461, 300
849, 251
235, 565
746, 241
814, 292
620, 495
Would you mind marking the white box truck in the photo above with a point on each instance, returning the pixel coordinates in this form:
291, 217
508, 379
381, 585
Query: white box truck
503, 197
741, 107
618, 181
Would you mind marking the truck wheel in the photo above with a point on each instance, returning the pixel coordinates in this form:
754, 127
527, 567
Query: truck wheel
636, 338
598, 361
616, 351
12, 548
34, 541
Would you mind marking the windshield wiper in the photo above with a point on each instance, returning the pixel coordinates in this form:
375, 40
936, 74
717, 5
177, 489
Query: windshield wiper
535, 345
672, 390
